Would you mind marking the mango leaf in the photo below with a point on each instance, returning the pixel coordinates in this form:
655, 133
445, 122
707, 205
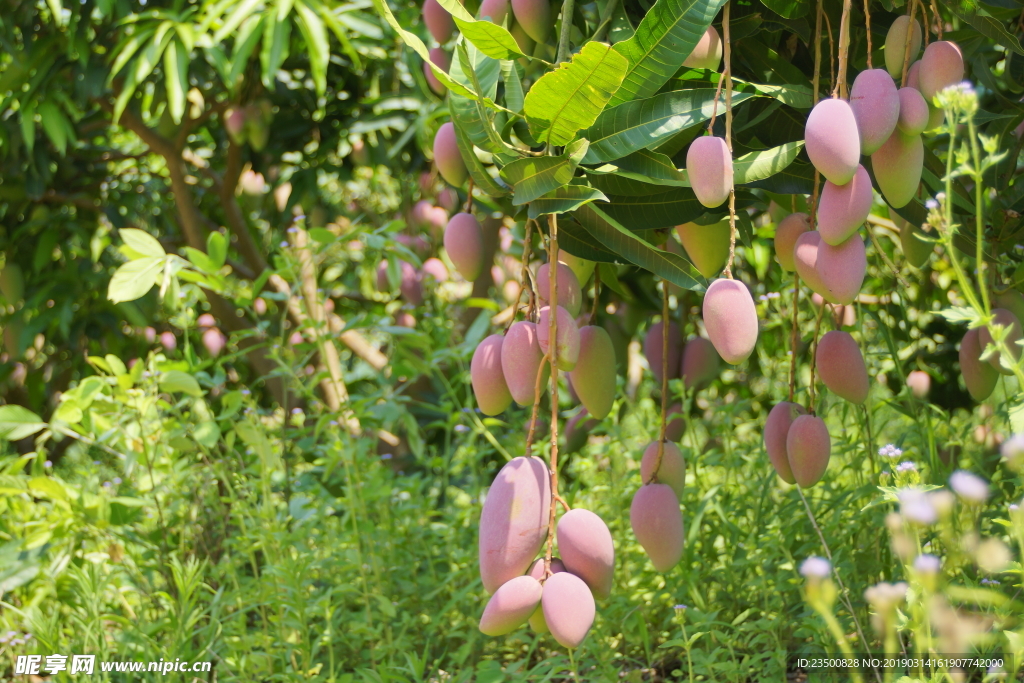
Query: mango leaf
133, 279
564, 199
617, 239
989, 27
788, 9
477, 116
55, 125
797, 96
481, 178
176, 78
612, 181
570, 98
574, 239
651, 212
17, 422
763, 164
512, 75
533, 177
641, 124
142, 242
653, 165
491, 39
176, 381
413, 41
665, 37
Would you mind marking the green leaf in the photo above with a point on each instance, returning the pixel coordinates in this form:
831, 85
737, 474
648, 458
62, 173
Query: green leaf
277, 31
217, 249
637, 251
55, 125
788, 9
17, 422
651, 212
989, 27
142, 242
572, 96
133, 279
481, 178
641, 124
413, 41
176, 78
763, 164
533, 177
664, 39
652, 165
315, 35
479, 72
512, 76
564, 199
178, 382
491, 39
797, 96
574, 239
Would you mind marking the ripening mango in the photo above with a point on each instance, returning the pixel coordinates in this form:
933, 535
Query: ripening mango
672, 470
709, 168
443, 61
593, 378
570, 296
841, 366
534, 16
915, 249
842, 269
805, 260
514, 520
447, 157
523, 40
707, 53
979, 376
653, 344
920, 383
586, 548
1011, 300
658, 524
489, 387
521, 357
1007, 319
808, 446
537, 622
568, 335
842, 209
942, 65
700, 363
494, 11
464, 242
569, 608
439, 22
730, 319
411, 286
896, 45
786, 233
435, 268
914, 112
876, 107
898, 165
936, 115
776, 429
832, 140
511, 606
707, 246
842, 316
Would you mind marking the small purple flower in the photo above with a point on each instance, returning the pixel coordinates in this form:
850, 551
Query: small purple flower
890, 451
284, 245
296, 411
386, 456
117, 480
292, 230
461, 429
107, 484
682, 608
245, 392
762, 298
48, 463
916, 506
989, 582
931, 204
332, 423
1014, 507
906, 466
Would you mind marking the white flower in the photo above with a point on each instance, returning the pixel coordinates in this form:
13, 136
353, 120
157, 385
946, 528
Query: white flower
815, 567
916, 506
927, 564
968, 486
906, 466
890, 451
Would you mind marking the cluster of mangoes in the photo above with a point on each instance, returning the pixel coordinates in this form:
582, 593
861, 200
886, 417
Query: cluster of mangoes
555, 595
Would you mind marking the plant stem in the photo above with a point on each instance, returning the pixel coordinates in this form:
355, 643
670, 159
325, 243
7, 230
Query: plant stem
553, 355
664, 381
568, 6
844, 50
793, 336
906, 46
728, 137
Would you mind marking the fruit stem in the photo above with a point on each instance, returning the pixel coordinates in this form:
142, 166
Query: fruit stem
844, 49
938, 21
727, 76
831, 56
906, 44
793, 336
469, 196
664, 379
867, 25
924, 17
816, 81
563, 39
536, 402
817, 330
553, 357
525, 275
597, 296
